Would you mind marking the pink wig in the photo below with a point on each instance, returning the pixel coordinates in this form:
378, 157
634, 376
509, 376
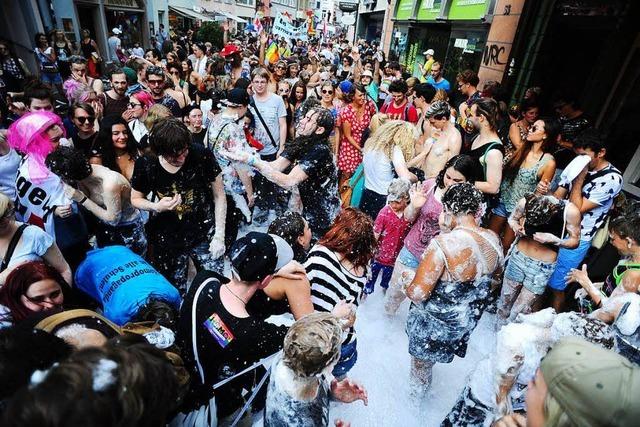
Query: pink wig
29, 136
76, 91
144, 98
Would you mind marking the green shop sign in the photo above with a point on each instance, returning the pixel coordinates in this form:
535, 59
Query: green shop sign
405, 9
429, 10
467, 9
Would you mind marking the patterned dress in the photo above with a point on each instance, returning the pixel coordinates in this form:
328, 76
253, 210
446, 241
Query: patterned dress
349, 157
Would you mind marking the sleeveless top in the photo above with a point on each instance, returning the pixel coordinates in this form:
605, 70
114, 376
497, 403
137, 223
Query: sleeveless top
525, 181
426, 226
87, 49
480, 153
440, 327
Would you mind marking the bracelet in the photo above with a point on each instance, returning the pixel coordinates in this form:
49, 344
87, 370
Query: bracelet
84, 199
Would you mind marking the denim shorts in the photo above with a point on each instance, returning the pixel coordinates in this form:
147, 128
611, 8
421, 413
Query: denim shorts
406, 258
500, 210
568, 259
532, 273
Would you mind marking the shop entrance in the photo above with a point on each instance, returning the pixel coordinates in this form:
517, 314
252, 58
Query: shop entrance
129, 22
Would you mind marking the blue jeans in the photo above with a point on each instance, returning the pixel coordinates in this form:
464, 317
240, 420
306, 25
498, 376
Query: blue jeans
348, 358
568, 259
376, 268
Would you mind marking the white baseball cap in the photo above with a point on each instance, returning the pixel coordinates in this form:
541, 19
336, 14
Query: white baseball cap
116, 31
428, 52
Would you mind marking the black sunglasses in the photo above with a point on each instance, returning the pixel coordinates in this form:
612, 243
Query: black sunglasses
82, 120
329, 92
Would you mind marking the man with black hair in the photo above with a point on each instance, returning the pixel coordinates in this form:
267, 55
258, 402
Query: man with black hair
193, 119
104, 193
187, 202
573, 121
400, 108
115, 101
423, 95
38, 97
591, 188
156, 81
23, 351
220, 337
314, 171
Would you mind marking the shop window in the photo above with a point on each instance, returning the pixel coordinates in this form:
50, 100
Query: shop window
464, 52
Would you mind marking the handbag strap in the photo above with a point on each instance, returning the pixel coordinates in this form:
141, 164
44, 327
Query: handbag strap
264, 124
217, 136
12, 247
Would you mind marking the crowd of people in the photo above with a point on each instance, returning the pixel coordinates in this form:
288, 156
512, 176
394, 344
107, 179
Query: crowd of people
159, 206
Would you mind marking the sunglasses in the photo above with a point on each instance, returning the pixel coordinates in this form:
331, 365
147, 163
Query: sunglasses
155, 82
133, 105
83, 120
42, 298
328, 92
281, 68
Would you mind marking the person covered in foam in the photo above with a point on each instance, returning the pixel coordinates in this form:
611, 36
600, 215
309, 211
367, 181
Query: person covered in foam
299, 390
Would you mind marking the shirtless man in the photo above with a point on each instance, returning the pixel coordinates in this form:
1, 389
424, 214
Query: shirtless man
443, 142
104, 193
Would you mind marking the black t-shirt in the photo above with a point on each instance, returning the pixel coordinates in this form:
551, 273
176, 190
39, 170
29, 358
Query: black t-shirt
198, 138
225, 345
319, 192
193, 220
87, 146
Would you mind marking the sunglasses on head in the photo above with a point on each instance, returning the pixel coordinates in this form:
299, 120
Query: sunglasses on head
82, 120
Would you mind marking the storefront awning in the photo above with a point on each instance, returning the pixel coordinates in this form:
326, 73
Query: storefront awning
230, 16
190, 13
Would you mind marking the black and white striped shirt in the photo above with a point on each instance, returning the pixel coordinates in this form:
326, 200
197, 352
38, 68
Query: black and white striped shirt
332, 282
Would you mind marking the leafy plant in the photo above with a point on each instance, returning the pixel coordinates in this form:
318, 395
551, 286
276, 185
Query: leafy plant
211, 32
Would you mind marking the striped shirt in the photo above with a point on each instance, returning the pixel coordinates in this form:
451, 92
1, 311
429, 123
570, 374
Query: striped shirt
332, 282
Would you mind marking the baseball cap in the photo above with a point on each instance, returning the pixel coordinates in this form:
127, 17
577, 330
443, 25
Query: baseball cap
229, 50
593, 386
428, 52
237, 97
346, 87
116, 31
366, 73
258, 255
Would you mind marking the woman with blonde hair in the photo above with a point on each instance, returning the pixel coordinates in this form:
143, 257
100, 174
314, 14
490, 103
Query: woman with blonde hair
386, 153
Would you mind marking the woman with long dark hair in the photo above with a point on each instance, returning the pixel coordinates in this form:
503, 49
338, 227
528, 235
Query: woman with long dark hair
337, 269
296, 98
424, 212
30, 288
117, 146
532, 163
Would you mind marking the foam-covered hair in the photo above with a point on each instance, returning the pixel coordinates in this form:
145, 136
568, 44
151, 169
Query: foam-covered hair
28, 135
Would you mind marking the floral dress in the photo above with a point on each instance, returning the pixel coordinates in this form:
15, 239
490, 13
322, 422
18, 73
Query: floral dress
349, 157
